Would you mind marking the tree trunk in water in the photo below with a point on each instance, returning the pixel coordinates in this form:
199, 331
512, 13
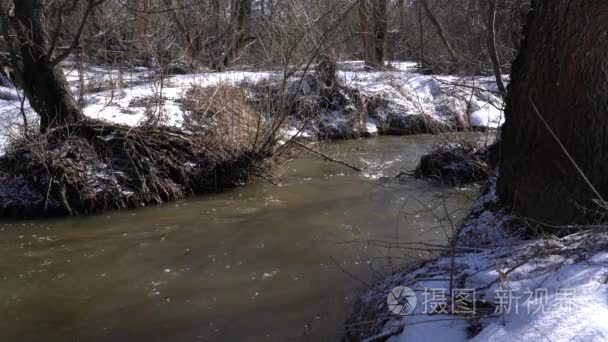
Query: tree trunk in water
562, 70
45, 85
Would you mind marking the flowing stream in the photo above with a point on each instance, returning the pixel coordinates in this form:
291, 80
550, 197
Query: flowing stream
256, 263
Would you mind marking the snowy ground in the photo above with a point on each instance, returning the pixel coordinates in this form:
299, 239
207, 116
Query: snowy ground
439, 96
506, 288
116, 95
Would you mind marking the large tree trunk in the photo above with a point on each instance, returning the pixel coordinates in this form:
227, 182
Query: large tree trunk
373, 19
562, 69
44, 83
380, 30
365, 21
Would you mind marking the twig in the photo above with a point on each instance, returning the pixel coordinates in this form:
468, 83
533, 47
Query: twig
348, 273
270, 180
405, 173
325, 156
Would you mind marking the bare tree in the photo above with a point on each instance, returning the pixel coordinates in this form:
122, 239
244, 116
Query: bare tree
491, 28
374, 24
35, 60
231, 44
440, 30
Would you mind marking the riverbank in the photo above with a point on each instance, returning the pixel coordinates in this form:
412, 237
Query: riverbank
257, 262
257, 110
398, 100
497, 283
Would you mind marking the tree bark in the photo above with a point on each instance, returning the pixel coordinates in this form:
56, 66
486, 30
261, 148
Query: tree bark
562, 70
238, 39
44, 83
365, 20
217, 17
380, 30
439, 30
421, 61
373, 19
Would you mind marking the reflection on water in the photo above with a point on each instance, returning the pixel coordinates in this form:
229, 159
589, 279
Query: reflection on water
259, 262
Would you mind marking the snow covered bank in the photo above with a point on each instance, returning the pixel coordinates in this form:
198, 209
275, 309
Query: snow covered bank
499, 286
447, 99
95, 165
399, 102
118, 96
391, 102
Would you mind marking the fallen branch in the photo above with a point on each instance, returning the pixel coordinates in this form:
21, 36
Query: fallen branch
406, 173
325, 156
267, 178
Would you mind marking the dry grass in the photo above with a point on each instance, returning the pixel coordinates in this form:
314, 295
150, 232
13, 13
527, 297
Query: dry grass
223, 114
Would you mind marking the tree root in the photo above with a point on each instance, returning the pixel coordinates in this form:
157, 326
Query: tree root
94, 166
457, 163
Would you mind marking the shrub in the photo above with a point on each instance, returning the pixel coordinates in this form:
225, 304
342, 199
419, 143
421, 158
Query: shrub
224, 115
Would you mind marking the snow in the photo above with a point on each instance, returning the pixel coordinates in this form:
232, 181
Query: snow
120, 87
441, 97
10, 114
112, 92
392, 65
488, 115
445, 328
371, 127
553, 289
116, 109
587, 320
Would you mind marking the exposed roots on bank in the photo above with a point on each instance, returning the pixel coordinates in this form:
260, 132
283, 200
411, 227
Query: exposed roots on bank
457, 163
94, 166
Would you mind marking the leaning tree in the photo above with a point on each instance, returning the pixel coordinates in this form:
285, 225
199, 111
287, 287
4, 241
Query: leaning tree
554, 154
68, 166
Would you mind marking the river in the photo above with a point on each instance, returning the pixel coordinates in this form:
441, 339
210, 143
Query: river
256, 263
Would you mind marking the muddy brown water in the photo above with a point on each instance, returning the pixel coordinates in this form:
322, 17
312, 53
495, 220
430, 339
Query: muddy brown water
256, 263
